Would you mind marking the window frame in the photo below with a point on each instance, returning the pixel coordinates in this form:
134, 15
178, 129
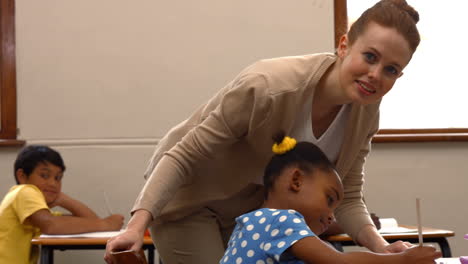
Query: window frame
397, 135
8, 115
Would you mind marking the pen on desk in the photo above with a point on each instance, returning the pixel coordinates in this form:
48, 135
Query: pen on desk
418, 215
109, 210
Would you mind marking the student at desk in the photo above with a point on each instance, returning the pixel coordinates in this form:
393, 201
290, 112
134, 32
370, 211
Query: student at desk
302, 191
25, 209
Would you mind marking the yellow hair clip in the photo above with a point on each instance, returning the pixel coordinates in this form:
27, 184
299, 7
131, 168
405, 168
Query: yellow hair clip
286, 145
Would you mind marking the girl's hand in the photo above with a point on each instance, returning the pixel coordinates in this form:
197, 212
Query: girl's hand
420, 255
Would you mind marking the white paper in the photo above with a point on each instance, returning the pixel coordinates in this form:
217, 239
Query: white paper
448, 261
88, 235
390, 225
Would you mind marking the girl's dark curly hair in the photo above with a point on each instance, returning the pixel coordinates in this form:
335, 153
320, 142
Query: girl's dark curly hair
305, 155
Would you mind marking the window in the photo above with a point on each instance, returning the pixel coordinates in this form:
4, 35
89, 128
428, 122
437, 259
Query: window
7, 73
427, 103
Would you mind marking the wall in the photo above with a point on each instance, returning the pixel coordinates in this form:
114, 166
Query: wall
397, 174
99, 81
121, 70
102, 81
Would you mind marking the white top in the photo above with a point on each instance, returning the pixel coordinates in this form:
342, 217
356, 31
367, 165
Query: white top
331, 140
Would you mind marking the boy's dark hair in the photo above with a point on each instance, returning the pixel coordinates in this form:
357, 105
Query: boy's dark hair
305, 155
30, 156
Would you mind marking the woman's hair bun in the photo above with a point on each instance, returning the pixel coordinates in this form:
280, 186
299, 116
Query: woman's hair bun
403, 5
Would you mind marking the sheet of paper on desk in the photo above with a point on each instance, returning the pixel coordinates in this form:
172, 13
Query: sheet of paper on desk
390, 225
448, 261
91, 235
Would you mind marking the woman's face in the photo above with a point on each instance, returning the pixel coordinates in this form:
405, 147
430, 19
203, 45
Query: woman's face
370, 67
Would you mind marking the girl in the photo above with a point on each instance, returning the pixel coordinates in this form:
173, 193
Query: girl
302, 191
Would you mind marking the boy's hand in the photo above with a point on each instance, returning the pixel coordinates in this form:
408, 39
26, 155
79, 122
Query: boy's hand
59, 201
113, 222
421, 255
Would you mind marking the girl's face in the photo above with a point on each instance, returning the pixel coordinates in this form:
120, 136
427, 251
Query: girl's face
370, 67
47, 177
318, 198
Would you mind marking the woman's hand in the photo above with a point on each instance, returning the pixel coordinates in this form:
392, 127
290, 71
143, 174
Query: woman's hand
396, 247
127, 240
132, 237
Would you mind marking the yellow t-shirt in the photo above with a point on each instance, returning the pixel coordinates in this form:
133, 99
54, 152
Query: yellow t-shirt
15, 236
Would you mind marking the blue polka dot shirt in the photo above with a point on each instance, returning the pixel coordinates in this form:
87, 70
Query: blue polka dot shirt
263, 236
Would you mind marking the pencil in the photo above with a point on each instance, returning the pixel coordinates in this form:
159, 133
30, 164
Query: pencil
109, 210
418, 214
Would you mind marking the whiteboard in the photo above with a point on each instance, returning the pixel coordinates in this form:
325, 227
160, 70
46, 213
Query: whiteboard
133, 69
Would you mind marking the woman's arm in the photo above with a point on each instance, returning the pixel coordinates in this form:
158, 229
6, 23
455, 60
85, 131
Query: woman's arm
369, 237
139, 221
352, 214
335, 228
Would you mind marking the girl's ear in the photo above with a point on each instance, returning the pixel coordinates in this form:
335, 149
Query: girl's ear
21, 176
343, 46
296, 180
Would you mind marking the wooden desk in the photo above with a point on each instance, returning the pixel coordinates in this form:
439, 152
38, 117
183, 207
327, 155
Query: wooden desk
48, 245
430, 235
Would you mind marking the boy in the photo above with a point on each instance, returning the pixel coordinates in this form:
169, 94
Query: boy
25, 209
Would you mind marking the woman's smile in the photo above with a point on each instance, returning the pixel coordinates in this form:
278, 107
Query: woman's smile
366, 88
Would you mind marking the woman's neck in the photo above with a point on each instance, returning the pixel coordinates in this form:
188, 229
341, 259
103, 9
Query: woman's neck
329, 95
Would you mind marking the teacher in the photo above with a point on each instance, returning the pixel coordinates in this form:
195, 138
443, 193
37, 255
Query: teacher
207, 170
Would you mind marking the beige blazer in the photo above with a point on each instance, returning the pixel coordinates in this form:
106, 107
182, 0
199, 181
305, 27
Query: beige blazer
226, 143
